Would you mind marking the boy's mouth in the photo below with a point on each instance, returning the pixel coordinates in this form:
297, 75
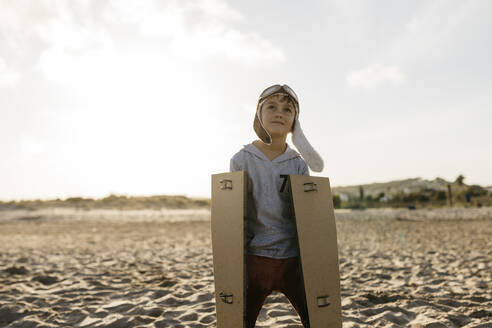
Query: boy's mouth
278, 122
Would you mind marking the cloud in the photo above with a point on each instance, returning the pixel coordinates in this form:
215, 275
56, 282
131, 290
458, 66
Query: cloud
197, 29
8, 77
435, 30
374, 76
188, 30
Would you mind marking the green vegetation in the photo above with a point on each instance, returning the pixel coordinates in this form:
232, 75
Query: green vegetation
337, 202
412, 193
409, 193
460, 180
121, 202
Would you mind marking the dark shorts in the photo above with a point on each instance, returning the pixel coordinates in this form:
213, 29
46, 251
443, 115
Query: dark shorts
266, 275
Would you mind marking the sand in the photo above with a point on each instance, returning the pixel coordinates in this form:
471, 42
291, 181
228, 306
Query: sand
399, 268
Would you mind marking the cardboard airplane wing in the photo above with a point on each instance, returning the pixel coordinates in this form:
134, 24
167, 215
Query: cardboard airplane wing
228, 214
316, 231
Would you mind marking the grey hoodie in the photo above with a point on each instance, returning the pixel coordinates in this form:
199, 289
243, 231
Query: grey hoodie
271, 228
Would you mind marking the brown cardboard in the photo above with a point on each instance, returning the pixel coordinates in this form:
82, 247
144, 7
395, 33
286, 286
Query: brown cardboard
228, 213
316, 231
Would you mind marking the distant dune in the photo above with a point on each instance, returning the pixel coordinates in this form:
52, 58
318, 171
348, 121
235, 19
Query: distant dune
112, 202
395, 186
157, 202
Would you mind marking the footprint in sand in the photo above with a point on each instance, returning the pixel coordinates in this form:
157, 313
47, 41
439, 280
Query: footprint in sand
16, 270
46, 280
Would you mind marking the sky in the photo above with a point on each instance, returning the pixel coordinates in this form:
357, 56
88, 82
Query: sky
152, 97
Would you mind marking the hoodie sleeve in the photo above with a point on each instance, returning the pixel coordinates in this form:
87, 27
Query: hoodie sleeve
234, 164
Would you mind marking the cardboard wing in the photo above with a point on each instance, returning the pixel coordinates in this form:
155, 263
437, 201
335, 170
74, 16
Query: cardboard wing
316, 231
228, 214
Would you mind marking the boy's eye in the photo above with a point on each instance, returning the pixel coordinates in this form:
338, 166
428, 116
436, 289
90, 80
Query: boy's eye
288, 110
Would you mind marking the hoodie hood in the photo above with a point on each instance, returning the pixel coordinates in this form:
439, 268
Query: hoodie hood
288, 154
310, 155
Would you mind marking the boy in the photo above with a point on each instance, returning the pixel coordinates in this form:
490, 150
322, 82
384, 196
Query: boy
272, 247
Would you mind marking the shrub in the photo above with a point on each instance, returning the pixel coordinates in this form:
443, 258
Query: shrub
476, 191
337, 202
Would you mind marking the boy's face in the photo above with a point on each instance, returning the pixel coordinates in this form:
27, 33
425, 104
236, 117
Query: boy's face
277, 115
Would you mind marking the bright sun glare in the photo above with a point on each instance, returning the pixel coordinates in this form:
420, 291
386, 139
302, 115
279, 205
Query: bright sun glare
134, 113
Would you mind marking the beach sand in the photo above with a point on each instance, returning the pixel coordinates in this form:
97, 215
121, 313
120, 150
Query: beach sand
106, 268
